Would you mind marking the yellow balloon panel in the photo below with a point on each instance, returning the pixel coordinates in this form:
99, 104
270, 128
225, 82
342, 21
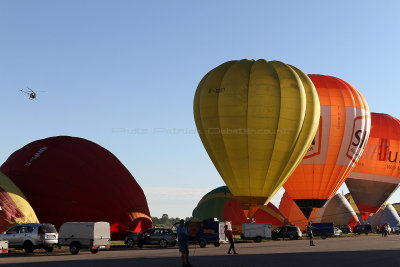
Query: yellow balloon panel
256, 120
15, 207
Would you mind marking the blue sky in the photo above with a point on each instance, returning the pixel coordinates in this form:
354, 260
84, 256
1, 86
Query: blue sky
123, 73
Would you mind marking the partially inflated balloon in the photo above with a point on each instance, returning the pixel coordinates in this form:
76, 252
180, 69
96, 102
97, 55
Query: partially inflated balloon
72, 179
386, 214
340, 140
377, 174
14, 206
361, 217
339, 211
221, 204
256, 120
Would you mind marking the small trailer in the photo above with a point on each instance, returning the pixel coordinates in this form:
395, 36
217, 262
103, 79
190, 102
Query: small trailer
208, 231
3, 246
256, 231
85, 235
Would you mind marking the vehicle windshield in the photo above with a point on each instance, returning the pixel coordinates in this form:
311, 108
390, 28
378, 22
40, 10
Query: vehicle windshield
47, 228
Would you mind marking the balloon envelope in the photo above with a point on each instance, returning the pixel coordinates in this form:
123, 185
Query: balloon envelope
256, 120
362, 217
15, 208
339, 211
221, 204
291, 211
343, 131
387, 214
73, 179
377, 173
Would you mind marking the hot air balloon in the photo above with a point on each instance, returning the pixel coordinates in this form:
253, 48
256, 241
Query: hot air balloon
340, 140
350, 199
396, 206
256, 120
386, 214
73, 179
221, 204
339, 211
293, 213
377, 173
14, 206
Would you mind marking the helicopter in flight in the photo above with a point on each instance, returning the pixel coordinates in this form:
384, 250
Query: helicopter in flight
32, 94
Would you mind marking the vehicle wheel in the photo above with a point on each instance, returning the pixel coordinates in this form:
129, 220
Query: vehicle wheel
323, 236
49, 249
217, 244
28, 247
257, 239
94, 250
163, 243
291, 237
366, 233
202, 243
140, 244
74, 248
130, 243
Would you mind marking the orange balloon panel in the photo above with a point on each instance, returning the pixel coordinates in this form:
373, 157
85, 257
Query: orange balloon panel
377, 173
293, 213
340, 140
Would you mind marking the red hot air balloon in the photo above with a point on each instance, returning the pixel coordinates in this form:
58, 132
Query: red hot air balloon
377, 174
72, 179
340, 140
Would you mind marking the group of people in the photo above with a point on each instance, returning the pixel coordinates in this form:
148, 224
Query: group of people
183, 237
384, 229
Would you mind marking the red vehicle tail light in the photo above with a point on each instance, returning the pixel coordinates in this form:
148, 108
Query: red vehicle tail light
174, 236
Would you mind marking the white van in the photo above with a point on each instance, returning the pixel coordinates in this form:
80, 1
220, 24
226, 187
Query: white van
85, 235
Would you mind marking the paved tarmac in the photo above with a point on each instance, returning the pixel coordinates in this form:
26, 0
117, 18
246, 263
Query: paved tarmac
345, 251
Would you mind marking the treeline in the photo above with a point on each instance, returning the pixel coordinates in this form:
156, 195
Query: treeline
166, 221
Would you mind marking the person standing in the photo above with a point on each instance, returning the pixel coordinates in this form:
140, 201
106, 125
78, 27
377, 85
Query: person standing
310, 233
229, 235
183, 240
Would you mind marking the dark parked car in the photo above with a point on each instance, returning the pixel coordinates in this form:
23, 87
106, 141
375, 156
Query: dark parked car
346, 229
291, 232
153, 236
362, 229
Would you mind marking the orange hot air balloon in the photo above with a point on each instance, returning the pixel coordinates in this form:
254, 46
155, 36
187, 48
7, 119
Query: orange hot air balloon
340, 140
377, 173
293, 213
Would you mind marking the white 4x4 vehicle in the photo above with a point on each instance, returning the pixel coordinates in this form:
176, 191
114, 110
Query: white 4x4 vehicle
31, 236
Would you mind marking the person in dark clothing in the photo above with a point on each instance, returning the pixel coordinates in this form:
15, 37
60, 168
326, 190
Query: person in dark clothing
310, 233
229, 235
183, 241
